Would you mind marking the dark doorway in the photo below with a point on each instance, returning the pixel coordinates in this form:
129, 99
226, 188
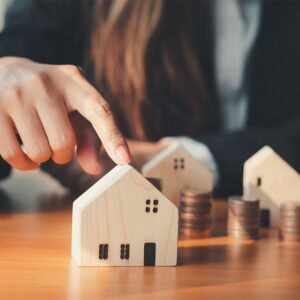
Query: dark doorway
149, 254
265, 218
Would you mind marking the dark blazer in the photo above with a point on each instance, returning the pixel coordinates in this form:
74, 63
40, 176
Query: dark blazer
52, 32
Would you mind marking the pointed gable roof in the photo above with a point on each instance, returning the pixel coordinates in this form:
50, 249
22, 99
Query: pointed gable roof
164, 154
268, 154
109, 180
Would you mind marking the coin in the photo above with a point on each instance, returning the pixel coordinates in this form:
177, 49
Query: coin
194, 204
197, 217
186, 231
195, 193
289, 221
243, 218
195, 201
289, 236
194, 209
195, 225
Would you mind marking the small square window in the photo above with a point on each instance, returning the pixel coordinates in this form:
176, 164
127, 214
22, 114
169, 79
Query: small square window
155, 209
155, 202
147, 209
148, 201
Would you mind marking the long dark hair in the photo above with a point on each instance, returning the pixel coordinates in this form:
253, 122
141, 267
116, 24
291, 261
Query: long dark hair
150, 61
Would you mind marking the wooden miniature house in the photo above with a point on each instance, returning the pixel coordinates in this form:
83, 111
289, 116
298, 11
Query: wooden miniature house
123, 220
272, 180
178, 169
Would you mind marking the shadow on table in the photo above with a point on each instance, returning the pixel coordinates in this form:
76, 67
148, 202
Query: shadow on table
54, 202
217, 251
202, 255
44, 203
6, 206
198, 267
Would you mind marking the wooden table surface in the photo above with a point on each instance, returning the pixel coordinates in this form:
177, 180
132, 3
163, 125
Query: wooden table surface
35, 262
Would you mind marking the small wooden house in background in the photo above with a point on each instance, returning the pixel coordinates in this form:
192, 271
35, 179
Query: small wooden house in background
123, 220
178, 169
272, 180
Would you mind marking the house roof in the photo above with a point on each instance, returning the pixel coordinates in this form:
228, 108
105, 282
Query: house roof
164, 154
264, 154
161, 156
106, 182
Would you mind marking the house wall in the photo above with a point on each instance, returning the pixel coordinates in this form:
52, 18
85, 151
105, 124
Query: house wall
175, 178
279, 183
119, 216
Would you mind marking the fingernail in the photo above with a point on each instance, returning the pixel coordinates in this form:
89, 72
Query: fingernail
123, 154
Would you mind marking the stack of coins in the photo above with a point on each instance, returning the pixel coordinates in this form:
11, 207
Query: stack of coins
157, 182
243, 218
289, 225
195, 212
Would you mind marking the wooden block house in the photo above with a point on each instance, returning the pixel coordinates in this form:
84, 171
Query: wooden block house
178, 169
123, 220
272, 180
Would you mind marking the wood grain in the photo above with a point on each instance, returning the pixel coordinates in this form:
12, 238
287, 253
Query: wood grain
113, 212
35, 262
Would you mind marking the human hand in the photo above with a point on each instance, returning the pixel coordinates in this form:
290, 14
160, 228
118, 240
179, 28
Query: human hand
36, 100
76, 180
141, 152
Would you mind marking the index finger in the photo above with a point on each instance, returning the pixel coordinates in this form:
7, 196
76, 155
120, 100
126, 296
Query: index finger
90, 104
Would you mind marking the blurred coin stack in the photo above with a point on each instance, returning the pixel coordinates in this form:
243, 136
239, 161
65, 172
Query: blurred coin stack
243, 218
195, 212
289, 225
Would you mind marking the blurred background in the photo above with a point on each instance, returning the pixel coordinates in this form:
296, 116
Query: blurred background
219, 77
